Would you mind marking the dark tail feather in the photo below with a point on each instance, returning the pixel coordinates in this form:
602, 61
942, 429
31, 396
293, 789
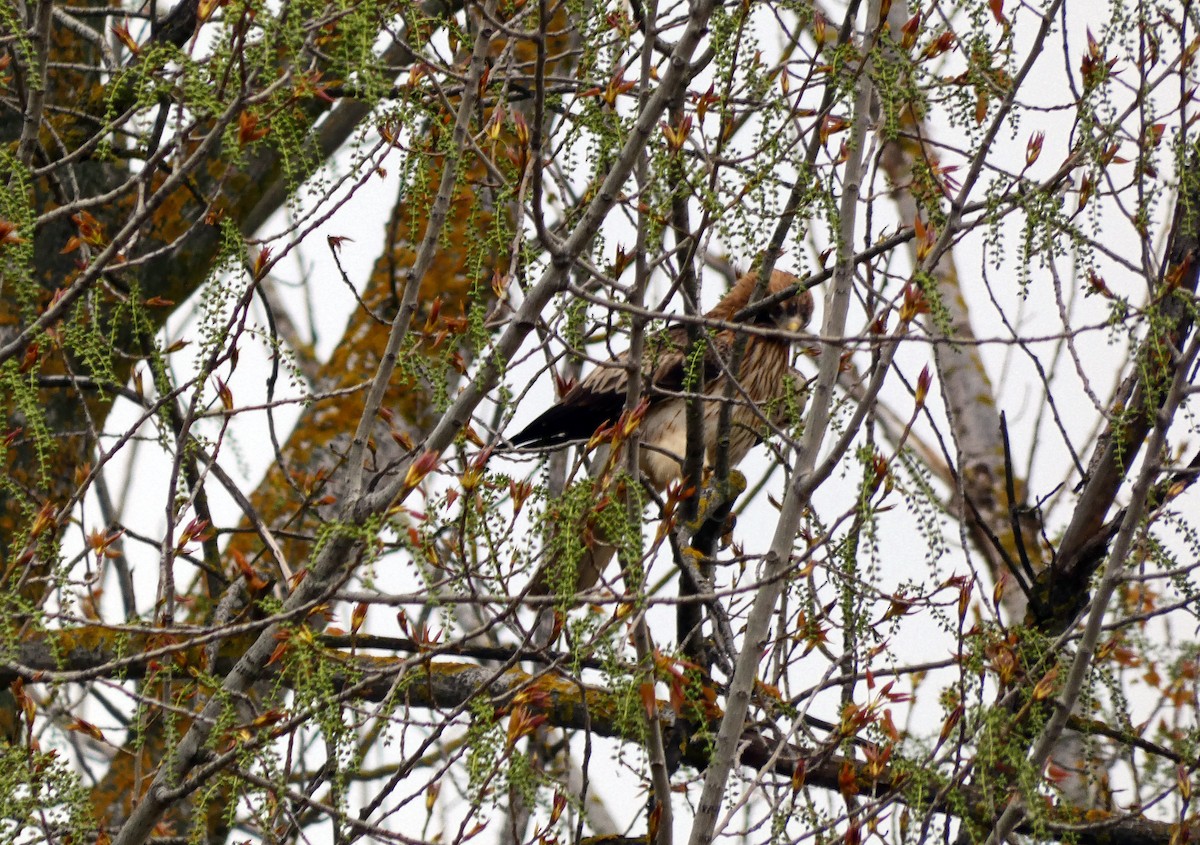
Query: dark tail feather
576, 418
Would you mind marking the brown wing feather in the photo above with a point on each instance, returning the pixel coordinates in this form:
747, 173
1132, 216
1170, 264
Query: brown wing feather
599, 399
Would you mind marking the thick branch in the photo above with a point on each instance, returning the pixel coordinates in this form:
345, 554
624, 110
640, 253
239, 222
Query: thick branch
1063, 587
433, 683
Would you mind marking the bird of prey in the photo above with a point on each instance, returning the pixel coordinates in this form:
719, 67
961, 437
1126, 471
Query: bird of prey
763, 375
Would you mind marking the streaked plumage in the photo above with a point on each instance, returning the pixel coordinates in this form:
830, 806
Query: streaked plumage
599, 398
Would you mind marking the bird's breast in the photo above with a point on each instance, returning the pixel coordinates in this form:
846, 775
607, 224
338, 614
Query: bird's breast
663, 431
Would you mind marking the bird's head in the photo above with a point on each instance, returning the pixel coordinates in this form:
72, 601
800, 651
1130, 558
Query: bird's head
790, 314
793, 313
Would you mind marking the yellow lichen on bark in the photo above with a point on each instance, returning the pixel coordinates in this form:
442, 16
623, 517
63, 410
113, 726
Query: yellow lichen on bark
473, 245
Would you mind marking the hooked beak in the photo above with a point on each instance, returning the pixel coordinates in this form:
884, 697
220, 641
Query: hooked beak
789, 322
